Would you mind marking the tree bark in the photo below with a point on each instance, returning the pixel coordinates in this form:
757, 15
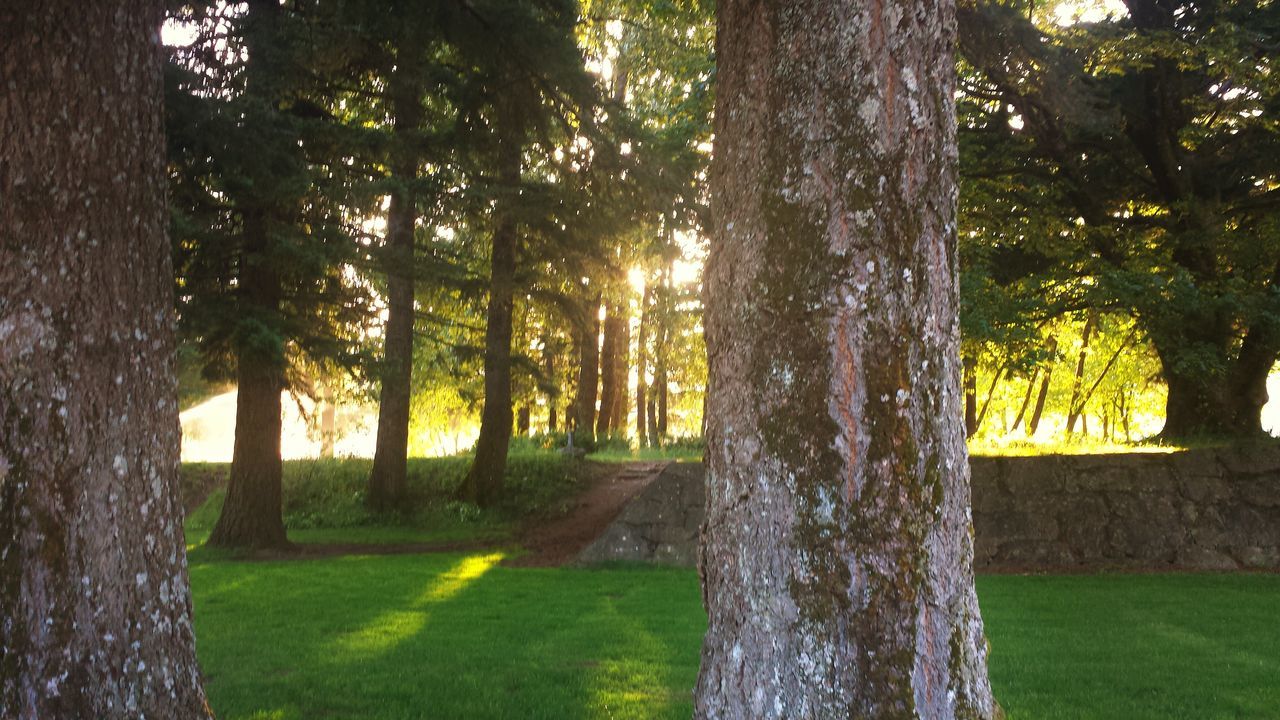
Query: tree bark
970, 375
251, 514
484, 481
642, 426
588, 372
621, 371
94, 596
1034, 423
523, 420
549, 367
608, 371
836, 554
1074, 407
1026, 399
387, 477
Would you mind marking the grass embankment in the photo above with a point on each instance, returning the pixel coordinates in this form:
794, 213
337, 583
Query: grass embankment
459, 636
324, 500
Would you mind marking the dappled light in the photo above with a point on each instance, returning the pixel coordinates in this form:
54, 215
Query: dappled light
396, 626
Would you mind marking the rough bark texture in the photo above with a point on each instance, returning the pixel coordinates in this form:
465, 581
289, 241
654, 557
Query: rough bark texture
251, 515
837, 552
484, 481
387, 477
94, 599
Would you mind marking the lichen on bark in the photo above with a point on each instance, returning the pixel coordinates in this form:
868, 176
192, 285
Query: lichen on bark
836, 555
95, 612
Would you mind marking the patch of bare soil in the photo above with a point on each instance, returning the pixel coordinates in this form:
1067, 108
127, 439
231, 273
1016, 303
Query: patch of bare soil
556, 541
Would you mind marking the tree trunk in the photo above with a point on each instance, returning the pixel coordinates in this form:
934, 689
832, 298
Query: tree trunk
387, 478
94, 595
621, 371
1074, 407
608, 371
970, 375
588, 372
484, 481
251, 514
549, 369
1201, 405
1026, 399
523, 420
662, 392
836, 555
1034, 423
642, 425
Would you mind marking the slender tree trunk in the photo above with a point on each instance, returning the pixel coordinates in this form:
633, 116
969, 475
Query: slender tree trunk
642, 425
1034, 423
970, 374
588, 372
836, 555
484, 482
662, 391
95, 610
251, 514
523, 420
1026, 399
549, 367
622, 372
608, 370
387, 477
1074, 407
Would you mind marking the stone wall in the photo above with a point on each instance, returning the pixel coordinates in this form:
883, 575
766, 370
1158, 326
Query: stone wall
1210, 509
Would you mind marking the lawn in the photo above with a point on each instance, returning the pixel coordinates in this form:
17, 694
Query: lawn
461, 636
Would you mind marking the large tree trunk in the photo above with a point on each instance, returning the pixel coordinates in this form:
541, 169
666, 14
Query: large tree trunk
484, 481
836, 556
94, 595
608, 370
390, 458
588, 372
251, 514
1203, 404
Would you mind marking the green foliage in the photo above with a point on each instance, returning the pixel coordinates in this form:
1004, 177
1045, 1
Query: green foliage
1128, 166
328, 495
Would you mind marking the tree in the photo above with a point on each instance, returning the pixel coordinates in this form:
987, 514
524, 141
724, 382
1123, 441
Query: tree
837, 555
260, 187
1147, 139
95, 599
404, 99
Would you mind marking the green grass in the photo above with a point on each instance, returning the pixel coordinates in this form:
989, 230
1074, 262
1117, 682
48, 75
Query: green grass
458, 636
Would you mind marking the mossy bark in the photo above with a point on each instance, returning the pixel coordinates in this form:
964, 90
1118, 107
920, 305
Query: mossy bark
836, 557
95, 609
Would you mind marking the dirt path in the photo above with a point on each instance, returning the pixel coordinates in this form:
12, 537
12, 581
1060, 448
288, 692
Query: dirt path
559, 540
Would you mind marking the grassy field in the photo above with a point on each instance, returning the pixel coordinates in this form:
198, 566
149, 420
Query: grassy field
461, 636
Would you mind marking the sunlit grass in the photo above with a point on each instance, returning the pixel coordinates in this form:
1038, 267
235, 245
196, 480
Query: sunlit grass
469, 638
